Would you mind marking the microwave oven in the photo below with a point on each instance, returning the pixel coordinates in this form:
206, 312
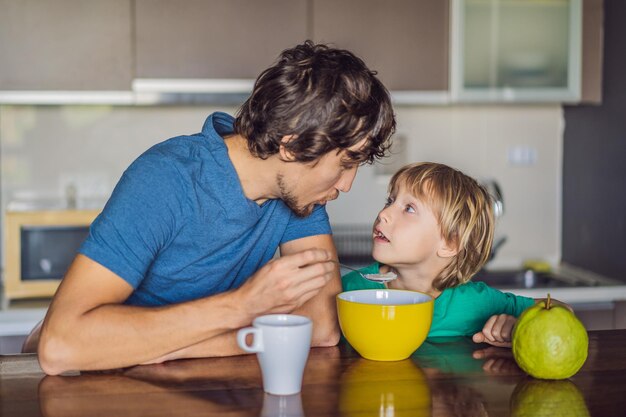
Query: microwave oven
39, 247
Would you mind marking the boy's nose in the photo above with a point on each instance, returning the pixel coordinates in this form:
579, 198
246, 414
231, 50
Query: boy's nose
383, 215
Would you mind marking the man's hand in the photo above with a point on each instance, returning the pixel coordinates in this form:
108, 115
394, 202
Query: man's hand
286, 283
497, 331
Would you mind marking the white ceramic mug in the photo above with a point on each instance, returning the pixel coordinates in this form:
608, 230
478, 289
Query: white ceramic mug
282, 343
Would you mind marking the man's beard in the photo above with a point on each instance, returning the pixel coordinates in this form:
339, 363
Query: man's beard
291, 201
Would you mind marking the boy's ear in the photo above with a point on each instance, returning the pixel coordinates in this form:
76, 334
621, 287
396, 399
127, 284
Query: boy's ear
285, 154
448, 249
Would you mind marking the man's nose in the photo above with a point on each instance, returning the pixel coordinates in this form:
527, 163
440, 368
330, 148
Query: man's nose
345, 182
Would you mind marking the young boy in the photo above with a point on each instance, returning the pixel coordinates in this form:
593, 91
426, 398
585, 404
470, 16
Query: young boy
435, 232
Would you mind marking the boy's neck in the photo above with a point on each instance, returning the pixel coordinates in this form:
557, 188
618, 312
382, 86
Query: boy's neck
414, 278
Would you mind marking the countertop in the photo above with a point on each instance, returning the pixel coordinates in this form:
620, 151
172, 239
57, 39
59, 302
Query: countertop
452, 377
572, 285
575, 295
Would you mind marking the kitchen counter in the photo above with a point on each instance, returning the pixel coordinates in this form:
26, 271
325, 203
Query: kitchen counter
575, 295
566, 283
451, 377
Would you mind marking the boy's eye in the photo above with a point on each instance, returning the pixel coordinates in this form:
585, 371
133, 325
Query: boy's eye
409, 208
388, 202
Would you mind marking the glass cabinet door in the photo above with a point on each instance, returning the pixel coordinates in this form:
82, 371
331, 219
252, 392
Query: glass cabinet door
516, 50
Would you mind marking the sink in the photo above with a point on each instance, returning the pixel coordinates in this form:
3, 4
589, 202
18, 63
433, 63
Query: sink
520, 278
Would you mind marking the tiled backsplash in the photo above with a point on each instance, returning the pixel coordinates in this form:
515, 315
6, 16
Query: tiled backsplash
45, 149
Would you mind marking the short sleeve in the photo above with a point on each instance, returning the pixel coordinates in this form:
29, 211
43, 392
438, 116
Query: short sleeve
138, 220
314, 224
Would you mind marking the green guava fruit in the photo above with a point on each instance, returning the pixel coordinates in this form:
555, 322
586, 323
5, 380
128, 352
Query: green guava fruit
536, 398
549, 342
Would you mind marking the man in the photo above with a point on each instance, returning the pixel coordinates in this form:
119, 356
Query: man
181, 255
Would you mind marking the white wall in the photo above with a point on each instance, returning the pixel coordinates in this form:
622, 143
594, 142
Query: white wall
42, 148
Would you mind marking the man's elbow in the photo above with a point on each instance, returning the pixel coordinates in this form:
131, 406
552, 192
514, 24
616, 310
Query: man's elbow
330, 337
330, 340
54, 353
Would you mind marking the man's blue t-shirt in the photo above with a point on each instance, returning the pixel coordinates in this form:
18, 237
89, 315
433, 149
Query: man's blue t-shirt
178, 226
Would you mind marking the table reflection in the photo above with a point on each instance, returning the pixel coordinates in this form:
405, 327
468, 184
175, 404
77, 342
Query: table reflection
188, 387
455, 355
213, 386
384, 389
446, 379
282, 406
539, 398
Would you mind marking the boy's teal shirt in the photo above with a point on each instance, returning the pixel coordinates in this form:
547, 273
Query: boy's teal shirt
459, 311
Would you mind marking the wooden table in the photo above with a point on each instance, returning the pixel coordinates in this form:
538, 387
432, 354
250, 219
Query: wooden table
453, 377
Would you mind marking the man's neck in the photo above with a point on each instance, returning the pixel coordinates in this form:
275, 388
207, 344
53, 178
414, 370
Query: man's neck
257, 176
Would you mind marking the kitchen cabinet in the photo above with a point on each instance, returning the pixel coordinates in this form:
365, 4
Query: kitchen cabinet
214, 39
11, 344
602, 315
516, 50
596, 316
425, 51
592, 51
65, 45
406, 41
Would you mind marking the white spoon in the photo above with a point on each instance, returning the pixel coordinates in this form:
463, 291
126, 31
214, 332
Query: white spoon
382, 278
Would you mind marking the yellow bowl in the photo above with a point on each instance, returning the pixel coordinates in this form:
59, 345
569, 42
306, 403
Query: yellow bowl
385, 325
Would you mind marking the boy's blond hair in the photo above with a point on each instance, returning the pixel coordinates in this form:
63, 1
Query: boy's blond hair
464, 211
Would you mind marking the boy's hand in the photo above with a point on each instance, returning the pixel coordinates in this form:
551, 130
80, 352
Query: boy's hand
497, 331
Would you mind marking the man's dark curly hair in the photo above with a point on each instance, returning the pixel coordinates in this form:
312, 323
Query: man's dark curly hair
326, 98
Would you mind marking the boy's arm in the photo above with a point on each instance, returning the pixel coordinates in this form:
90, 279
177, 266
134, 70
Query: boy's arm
498, 329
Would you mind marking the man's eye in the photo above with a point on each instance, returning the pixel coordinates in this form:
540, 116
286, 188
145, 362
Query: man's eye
347, 166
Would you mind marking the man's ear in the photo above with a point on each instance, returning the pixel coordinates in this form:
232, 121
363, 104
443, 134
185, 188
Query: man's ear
448, 249
285, 154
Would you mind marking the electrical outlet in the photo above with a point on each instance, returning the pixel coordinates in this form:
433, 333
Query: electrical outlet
85, 185
522, 155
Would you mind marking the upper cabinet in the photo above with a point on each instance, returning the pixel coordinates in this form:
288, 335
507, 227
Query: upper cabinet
592, 50
516, 50
196, 51
65, 45
214, 39
406, 41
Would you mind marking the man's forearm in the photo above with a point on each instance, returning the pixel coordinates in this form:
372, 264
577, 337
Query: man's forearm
326, 333
321, 309
88, 328
114, 336
224, 344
